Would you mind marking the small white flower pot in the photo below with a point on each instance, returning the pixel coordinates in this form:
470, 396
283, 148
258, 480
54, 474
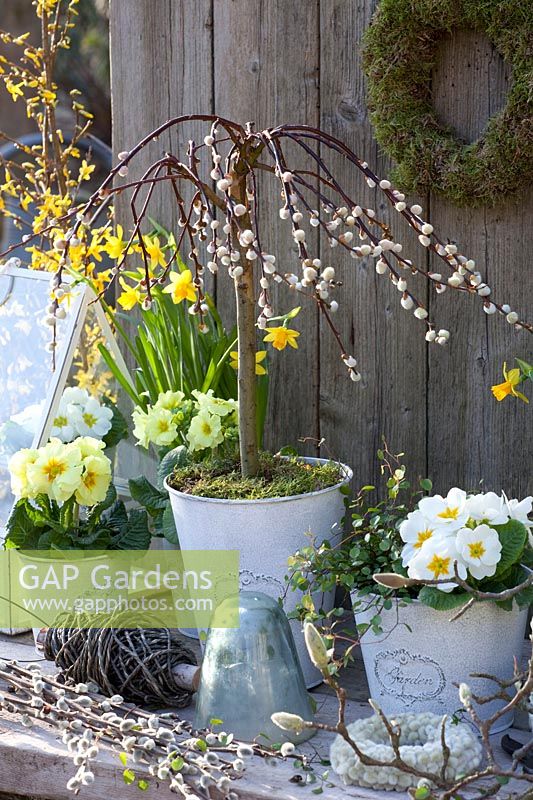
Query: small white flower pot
266, 532
414, 663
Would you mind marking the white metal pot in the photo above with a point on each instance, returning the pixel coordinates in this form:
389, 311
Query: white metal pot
266, 532
414, 664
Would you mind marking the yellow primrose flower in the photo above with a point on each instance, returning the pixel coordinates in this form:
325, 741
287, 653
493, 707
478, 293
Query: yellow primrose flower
95, 480
130, 296
89, 446
56, 471
209, 404
169, 400
18, 468
281, 337
512, 379
160, 427
140, 420
115, 245
259, 357
86, 171
157, 256
205, 431
181, 286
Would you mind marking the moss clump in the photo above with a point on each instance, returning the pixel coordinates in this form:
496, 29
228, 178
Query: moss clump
400, 51
277, 477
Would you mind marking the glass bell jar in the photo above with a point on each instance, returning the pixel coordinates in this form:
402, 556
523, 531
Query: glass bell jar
251, 672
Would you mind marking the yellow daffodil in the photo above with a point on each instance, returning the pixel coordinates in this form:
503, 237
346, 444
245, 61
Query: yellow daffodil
512, 379
95, 480
115, 245
86, 170
153, 248
130, 296
181, 286
259, 357
95, 248
281, 337
100, 279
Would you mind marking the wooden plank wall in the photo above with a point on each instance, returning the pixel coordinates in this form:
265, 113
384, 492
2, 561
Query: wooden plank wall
274, 61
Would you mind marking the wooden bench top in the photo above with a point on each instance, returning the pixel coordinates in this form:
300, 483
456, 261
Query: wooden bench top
34, 763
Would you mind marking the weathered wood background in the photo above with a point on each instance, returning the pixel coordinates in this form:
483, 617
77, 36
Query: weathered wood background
274, 61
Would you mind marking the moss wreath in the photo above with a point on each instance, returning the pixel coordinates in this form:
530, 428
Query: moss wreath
400, 49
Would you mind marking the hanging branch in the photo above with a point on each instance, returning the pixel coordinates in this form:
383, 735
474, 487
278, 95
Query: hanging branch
223, 215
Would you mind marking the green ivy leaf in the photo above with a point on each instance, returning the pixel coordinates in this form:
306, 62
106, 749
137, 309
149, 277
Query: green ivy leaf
177, 764
143, 785
123, 758
442, 601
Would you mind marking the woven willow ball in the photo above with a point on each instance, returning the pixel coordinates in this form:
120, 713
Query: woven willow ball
420, 746
136, 663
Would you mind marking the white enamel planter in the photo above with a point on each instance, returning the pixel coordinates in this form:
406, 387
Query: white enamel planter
266, 532
414, 663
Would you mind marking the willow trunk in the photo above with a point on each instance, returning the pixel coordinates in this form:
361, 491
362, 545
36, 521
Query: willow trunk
246, 346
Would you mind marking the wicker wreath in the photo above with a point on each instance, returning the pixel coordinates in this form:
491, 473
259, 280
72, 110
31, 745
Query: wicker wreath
420, 746
400, 50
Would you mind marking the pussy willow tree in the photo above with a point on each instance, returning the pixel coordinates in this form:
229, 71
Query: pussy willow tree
219, 213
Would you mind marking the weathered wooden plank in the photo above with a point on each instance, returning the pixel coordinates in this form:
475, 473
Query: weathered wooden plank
266, 71
471, 436
268, 58
387, 341
161, 67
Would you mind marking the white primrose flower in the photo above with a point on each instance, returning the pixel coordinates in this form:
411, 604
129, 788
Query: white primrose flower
520, 510
481, 550
92, 419
436, 561
488, 507
415, 530
63, 428
450, 511
73, 395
